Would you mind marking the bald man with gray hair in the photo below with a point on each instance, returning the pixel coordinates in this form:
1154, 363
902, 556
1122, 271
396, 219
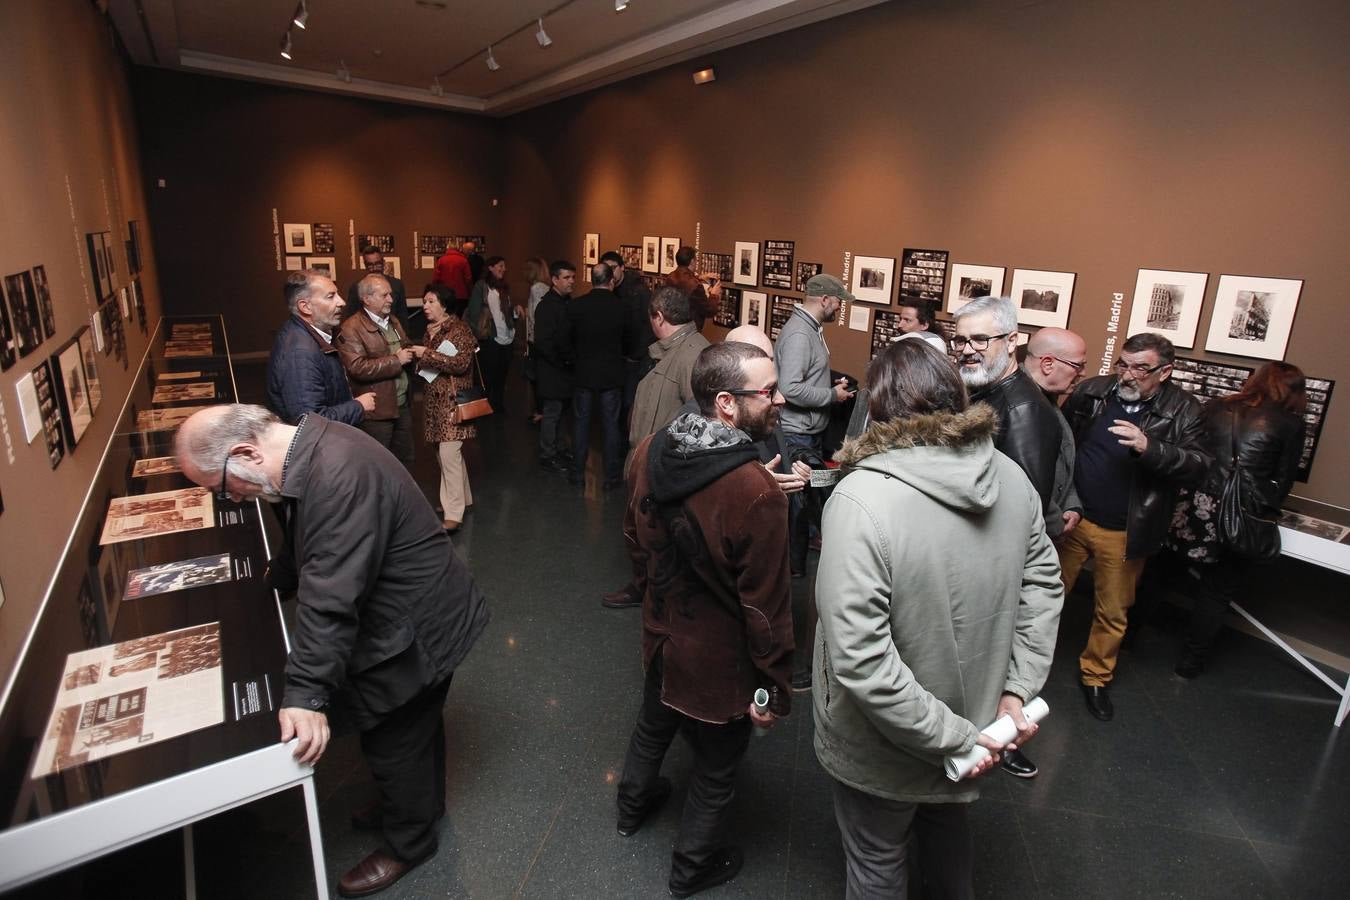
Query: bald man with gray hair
374, 350
1055, 360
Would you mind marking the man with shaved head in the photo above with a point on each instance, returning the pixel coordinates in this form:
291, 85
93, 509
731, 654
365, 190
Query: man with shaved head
1055, 361
386, 612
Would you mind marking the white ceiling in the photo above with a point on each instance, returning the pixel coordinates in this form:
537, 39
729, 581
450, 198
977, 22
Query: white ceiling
394, 49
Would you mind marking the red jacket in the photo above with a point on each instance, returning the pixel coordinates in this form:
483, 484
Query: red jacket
452, 270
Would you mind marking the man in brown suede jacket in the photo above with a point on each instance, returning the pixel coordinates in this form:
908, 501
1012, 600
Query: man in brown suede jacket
706, 525
374, 349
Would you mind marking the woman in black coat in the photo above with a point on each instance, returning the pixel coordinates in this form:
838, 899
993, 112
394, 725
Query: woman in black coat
1261, 426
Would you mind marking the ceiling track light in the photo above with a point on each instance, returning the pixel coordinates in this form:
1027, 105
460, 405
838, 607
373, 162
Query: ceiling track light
286, 46
301, 17
542, 36
436, 88
492, 63
620, 5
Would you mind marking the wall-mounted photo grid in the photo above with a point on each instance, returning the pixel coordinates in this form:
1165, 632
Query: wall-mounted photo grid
923, 274
805, 272
885, 328
325, 240
632, 258
728, 313
709, 263
777, 271
779, 313
1208, 380
384, 241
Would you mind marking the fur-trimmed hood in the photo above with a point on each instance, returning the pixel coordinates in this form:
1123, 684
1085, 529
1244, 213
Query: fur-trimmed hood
948, 456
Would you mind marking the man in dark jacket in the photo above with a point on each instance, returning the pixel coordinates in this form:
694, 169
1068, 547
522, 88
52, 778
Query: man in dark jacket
707, 526
1139, 438
304, 372
386, 613
601, 330
1029, 428
703, 299
553, 363
636, 362
372, 260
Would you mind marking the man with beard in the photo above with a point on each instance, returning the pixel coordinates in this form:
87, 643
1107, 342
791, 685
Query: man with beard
1029, 428
706, 527
387, 610
1139, 438
804, 375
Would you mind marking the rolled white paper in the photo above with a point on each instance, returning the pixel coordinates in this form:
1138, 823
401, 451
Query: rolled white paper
1002, 730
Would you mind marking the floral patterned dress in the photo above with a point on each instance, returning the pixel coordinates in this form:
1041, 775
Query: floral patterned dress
457, 373
1195, 532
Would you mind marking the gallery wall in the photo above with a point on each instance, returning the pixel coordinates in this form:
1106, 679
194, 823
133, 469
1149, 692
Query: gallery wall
230, 153
68, 146
1091, 137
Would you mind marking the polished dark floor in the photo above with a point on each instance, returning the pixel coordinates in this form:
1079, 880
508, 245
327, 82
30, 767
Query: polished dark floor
1233, 785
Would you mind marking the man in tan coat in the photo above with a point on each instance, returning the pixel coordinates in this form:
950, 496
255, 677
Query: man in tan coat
666, 388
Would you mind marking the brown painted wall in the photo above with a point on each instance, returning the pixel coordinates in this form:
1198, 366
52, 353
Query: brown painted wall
230, 152
68, 147
1082, 135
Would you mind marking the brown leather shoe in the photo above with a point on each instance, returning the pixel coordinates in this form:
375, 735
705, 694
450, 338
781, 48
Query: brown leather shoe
376, 872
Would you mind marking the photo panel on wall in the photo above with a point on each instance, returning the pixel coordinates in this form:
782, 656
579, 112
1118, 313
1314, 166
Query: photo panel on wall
1253, 316
754, 309
1042, 298
969, 282
1168, 303
632, 257
297, 238
651, 254
873, 279
745, 265
669, 247
590, 250
325, 264
72, 390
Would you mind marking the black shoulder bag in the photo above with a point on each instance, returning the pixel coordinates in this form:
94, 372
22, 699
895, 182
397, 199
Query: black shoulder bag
1245, 532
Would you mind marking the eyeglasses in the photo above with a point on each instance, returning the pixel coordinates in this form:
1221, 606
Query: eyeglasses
766, 393
1138, 370
1076, 366
978, 343
222, 493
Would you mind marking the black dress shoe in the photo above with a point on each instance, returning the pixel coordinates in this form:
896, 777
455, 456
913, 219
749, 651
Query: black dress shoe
376, 872
1098, 701
1016, 763
622, 599
723, 866
628, 826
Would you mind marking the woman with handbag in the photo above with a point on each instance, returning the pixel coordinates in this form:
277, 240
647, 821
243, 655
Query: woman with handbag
1229, 523
493, 320
442, 421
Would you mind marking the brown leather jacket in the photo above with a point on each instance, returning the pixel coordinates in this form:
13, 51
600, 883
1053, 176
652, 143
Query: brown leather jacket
700, 304
369, 364
717, 601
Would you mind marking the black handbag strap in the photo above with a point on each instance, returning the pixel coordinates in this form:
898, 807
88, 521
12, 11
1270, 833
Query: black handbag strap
1232, 435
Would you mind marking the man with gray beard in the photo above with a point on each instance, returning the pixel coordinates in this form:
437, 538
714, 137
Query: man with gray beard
1030, 429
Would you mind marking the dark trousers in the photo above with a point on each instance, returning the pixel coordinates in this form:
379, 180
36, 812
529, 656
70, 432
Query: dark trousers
1219, 584
583, 401
633, 370
799, 526
394, 434
876, 834
406, 755
549, 427
495, 360
717, 752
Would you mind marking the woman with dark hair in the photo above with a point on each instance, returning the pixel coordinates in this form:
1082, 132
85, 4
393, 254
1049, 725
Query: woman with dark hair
493, 320
1261, 428
939, 596
454, 367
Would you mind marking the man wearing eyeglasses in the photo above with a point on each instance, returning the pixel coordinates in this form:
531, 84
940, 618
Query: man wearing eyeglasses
706, 526
1030, 429
1139, 439
1056, 358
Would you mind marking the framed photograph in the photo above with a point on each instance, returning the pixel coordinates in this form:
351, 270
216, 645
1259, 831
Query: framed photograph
325, 264
590, 253
968, 282
1168, 303
100, 277
777, 271
632, 257
754, 309
7, 355
805, 272
90, 359
873, 277
44, 298
133, 248
23, 308
1253, 316
669, 247
651, 254
780, 310
72, 390
325, 240
393, 267
923, 274
1042, 298
719, 264
297, 237
295, 263
745, 265
728, 308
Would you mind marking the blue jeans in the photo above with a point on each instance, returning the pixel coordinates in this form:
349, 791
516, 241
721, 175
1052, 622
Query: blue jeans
583, 401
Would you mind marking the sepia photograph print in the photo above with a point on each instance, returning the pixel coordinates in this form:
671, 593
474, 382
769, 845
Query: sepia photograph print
590, 250
175, 393
178, 576
873, 277
745, 263
72, 391
1168, 303
155, 465
923, 274
968, 282
150, 515
753, 304
669, 247
1328, 531
164, 419
297, 238
325, 264
1253, 316
1042, 298
651, 251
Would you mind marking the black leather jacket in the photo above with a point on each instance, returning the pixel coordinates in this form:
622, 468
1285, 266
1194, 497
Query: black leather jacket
1175, 457
1269, 443
1029, 429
